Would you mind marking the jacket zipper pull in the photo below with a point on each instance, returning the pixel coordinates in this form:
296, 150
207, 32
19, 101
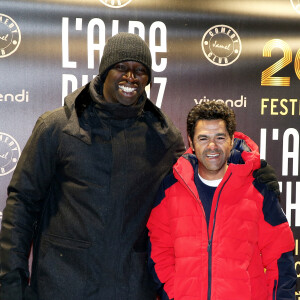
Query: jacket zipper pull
209, 246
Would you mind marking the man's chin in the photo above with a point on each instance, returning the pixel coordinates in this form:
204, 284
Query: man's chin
128, 102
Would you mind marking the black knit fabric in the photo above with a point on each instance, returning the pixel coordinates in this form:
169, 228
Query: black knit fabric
125, 47
206, 194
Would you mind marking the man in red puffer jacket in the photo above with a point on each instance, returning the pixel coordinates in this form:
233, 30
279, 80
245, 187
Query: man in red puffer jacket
215, 232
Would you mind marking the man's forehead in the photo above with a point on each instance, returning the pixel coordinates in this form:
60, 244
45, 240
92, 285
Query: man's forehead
211, 127
215, 123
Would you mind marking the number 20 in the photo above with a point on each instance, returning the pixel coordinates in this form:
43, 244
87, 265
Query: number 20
266, 75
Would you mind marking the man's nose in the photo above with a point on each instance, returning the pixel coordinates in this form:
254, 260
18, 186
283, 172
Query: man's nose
130, 75
212, 144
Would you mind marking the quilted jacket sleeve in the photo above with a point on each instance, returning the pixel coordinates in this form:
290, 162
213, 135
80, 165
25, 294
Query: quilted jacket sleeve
161, 251
276, 243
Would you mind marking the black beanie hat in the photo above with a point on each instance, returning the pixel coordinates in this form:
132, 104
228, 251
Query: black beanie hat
125, 47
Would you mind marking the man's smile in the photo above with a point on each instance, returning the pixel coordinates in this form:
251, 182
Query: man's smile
127, 89
213, 155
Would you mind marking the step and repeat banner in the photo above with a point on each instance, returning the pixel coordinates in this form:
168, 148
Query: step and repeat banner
244, 53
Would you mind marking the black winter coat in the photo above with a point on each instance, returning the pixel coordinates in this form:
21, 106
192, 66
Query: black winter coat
82, 193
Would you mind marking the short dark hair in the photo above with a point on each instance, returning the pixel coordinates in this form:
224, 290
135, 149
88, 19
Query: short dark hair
211, 110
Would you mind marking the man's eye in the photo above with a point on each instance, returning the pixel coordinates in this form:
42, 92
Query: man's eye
141, 70
220, 139
120, 67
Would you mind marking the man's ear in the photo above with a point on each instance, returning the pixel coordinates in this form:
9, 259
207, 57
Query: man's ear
147, 88
232, 142
191, 143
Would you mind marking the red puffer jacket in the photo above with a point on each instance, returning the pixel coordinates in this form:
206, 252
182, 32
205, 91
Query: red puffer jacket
238, 256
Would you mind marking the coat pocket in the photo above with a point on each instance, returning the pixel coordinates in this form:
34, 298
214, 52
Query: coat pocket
62, 268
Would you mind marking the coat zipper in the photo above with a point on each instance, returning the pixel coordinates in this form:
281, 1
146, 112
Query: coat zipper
209, 246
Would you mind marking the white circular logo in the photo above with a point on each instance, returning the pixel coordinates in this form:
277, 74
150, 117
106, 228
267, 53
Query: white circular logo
10, 36
9, 153
296, 5
115, 3
221, 45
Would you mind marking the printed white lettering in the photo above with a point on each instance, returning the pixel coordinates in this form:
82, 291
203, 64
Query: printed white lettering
293, 134
293, 206
92, 45
66, 63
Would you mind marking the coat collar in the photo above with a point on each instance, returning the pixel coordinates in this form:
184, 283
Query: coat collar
73, 128
85, 107
114, 110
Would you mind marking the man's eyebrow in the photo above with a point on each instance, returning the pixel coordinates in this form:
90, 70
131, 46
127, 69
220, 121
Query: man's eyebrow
220, 134
202, 135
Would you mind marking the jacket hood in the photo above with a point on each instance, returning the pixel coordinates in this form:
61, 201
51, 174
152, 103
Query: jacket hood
244, 158
87, 102
73, 110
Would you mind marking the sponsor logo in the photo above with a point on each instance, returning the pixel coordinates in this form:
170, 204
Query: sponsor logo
22, 97
10, 36
296, 5
221, 45
241, 102
115, 3
9, 153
